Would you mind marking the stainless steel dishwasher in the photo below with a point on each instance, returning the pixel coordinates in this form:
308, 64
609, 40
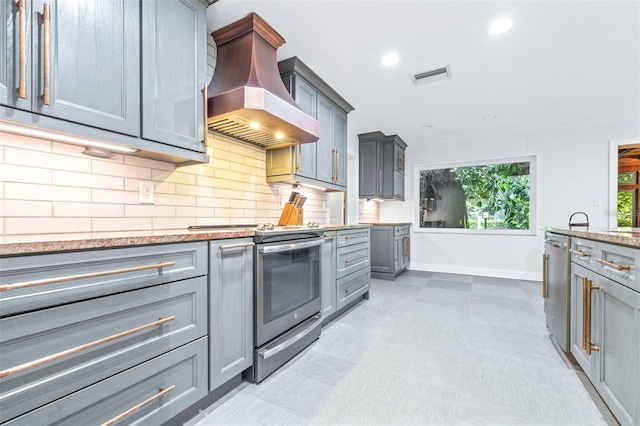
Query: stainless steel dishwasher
555, 287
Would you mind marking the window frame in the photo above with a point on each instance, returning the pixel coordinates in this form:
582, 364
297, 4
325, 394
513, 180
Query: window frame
532, 159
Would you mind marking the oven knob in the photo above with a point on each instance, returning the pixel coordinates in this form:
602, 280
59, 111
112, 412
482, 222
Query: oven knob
269, 226
260, 227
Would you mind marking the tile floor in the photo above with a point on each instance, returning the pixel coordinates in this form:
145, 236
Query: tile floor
426, 349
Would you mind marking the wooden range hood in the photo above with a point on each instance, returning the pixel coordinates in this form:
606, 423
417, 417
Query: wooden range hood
246, 88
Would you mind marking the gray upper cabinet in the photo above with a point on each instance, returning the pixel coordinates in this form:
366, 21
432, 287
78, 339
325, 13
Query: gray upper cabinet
382, 166
129, 72
322, 163
231, 309
371, 156
172, 75
83, 64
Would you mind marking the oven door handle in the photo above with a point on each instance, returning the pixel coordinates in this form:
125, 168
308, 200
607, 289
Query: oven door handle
291, 246
268, 353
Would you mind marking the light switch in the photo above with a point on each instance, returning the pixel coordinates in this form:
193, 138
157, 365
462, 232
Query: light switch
596, 202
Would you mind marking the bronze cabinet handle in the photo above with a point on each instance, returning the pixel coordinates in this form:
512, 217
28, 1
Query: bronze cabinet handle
83, 276
611, 264
379, 181
545, 260
234, 246
580, 253
337, 164
589, 346
161, 392
205, 111
22, 85
46, 20
62, 354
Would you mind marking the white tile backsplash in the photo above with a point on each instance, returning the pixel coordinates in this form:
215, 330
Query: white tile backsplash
52, 188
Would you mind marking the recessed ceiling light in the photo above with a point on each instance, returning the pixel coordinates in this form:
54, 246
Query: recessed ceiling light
490, 117
427, 126
500, 26
390, 59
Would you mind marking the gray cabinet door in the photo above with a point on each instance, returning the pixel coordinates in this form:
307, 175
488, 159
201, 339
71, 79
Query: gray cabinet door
340, 144
94, 63
174, 44
329, 273
382, 249
325, 147
406, 250
11, 71
306, 97
231, 309
577, 320
370, 168
617, 334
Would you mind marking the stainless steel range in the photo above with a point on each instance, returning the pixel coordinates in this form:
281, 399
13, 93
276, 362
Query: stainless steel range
287, 277
287, 273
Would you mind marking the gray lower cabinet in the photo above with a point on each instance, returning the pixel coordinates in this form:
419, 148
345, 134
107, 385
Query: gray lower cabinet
87, 320
605, 325
231, 309
129, 72
390, 250
353, 265
324, 162
163, 386
329, 274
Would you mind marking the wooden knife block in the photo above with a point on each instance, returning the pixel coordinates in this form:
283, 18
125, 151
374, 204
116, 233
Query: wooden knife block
291, 215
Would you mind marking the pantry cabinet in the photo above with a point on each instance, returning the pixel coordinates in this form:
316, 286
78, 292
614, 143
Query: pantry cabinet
129, 72
231, 309
322, 163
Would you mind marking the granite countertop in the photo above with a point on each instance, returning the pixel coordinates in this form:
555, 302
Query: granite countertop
390, 223
87, 241
621, 236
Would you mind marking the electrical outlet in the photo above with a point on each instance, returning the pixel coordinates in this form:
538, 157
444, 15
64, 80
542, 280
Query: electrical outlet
146, 193
596, 202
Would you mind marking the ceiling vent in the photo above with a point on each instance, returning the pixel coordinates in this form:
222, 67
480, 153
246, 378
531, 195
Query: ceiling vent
431, 76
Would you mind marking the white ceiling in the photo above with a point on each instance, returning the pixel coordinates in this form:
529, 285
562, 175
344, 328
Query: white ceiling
563, 63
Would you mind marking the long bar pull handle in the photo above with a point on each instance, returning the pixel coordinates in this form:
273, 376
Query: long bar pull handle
62, 354
613, 265
161, 392
334, 234
584, 313
337, 164
580, 253
406, 247
589, 346
355, 259
22, 85
545, 261
205, 110
299, 159
397, 249
46, 19
379, 181
83, 276
352, 289
234, 246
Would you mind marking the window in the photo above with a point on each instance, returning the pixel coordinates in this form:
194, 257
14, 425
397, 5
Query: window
496, 196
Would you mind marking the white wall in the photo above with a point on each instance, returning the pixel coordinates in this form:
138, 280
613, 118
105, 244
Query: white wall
572, 171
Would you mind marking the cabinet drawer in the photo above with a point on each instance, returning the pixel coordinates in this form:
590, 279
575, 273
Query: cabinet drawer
583, 252
82, 275
351, 287
619, 263
353, 258
351, 237
181, 373
78, 344
402, 230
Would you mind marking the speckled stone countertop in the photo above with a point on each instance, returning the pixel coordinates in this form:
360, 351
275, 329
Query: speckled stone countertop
390, 223
621, 236
87, 241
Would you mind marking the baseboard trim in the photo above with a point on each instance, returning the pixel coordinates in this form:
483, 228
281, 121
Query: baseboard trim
485, 272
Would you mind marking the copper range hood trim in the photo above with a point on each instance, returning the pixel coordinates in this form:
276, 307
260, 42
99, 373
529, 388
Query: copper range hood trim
246, 87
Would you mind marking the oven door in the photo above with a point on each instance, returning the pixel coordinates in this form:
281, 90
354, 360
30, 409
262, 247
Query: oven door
287, 286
